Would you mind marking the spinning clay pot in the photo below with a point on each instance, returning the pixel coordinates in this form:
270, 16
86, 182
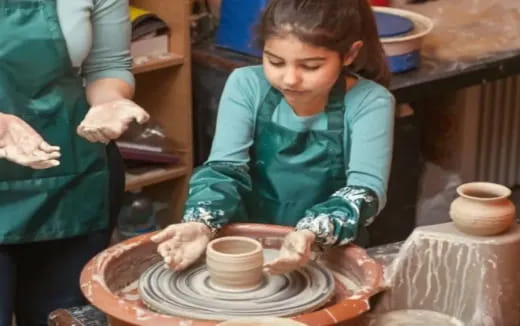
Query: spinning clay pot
235, 262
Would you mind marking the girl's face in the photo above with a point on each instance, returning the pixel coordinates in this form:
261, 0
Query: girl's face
303, 73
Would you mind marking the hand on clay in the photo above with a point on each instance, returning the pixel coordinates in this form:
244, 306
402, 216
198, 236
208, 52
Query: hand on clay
294, 253
110, 120
182, 244
21, 144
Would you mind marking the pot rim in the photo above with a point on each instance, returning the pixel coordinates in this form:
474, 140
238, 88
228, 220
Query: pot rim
413, 16
214, 252
499, 190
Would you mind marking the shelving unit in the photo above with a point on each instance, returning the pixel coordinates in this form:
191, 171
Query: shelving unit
163, 88
157, 62
154, 176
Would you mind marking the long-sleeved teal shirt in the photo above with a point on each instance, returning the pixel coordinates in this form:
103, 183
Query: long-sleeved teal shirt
97, 34
368, 139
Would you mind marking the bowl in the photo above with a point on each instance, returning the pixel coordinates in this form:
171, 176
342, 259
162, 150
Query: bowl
403, 51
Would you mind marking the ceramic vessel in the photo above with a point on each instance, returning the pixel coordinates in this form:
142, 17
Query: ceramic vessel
482, 208
235, 262
403, 52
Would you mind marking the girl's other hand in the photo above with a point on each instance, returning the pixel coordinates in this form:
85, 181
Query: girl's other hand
294, 253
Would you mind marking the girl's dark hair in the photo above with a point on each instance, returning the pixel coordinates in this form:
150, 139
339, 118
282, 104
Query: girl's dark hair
333, 24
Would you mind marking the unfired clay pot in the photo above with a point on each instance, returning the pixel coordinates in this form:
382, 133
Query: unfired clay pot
235, 262
483, 208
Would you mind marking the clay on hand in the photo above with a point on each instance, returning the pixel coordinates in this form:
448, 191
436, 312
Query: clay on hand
21, 144
294, 253
182, 244
110, 120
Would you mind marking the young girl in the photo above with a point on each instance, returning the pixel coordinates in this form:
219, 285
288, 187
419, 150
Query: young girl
304, 140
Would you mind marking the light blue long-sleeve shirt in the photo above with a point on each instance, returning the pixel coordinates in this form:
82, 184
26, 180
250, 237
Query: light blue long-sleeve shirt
369, 122
216, 188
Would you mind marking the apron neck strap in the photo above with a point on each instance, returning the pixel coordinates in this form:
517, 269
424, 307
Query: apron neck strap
335, 108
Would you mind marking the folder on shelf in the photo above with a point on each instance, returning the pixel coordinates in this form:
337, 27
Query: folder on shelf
146, 153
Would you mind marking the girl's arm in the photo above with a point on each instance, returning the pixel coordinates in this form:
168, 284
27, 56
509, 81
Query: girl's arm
216, 188
337, 220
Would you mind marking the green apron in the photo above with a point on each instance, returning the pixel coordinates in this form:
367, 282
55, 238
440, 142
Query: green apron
292, 171
39, 85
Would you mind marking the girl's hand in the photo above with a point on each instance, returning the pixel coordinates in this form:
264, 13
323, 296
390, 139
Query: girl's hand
21, 144
294, 253
182, 244
110, 120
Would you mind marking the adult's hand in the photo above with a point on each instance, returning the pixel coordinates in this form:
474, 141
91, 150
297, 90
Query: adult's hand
110, 120
21, 144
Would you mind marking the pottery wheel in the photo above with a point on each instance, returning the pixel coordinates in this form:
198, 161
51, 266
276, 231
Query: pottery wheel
191, 293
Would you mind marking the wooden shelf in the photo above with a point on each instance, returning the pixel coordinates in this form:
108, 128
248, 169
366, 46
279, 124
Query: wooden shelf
150, 63
154, 176
165, 93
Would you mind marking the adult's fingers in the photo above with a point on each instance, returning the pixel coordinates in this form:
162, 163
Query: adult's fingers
109, 133
142, 117
43, 155
139, 114
86, 133
98, 136
44, 146
44, 164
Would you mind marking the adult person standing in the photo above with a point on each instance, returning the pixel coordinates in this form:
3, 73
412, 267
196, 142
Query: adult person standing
65, 75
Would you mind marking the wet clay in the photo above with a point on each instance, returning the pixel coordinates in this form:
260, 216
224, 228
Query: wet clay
471, 278
191, 293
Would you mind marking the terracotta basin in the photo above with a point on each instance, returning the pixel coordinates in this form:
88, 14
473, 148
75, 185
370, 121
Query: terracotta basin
109, 280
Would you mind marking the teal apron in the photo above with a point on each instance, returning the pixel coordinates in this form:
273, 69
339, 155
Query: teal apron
39, 85
292, 171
